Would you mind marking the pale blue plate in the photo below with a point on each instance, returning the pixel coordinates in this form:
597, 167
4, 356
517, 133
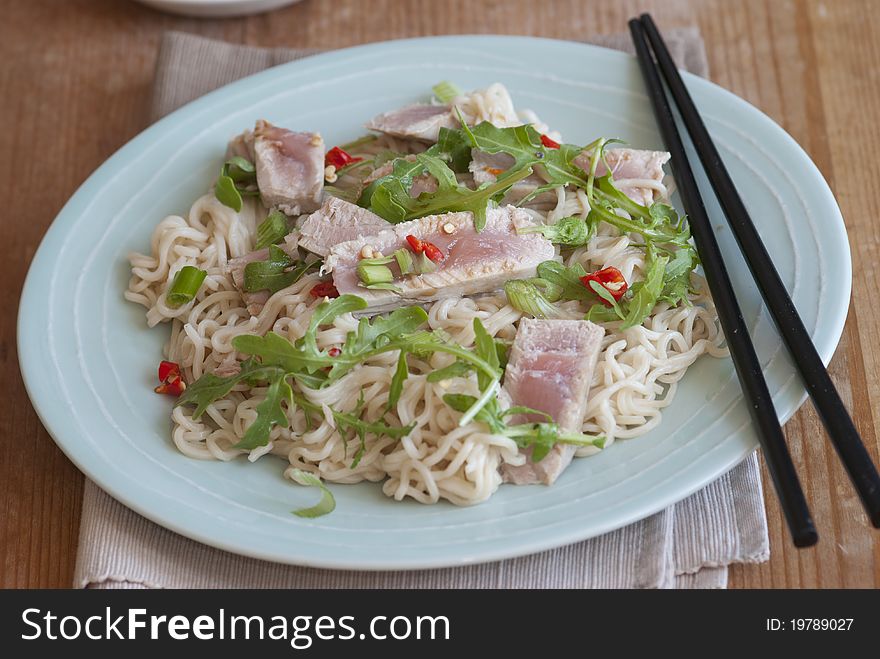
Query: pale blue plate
89, 361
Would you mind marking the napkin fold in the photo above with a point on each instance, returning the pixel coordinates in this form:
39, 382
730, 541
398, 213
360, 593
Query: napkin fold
688, 545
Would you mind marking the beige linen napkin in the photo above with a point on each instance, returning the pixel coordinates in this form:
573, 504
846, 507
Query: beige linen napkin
688, 545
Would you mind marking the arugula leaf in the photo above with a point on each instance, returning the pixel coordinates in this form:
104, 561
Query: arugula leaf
524, 144
677, 279
646, 293
659, 224
464, 403
378, 336
484, 346
391, 198
599, 313
567, 279
269, 413
276, 272
326, 505
328, 311
438, 168
455, 147
403, 171
570, 231
486, 349
345, 421
456, 369
661, 213
396, 331
401, 373
210, 387
606, 295
273, 350
641, 298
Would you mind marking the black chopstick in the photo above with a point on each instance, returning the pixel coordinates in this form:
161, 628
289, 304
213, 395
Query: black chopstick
841, 430
748, 368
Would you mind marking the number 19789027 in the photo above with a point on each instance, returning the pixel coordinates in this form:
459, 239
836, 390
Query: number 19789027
809, 624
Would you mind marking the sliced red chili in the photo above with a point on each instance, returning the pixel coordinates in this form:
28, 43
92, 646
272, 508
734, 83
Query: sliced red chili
324, 289
334, 352
417, 245
175, 387
171, 382
611, 279
550, 144
433, 252
424, 247
168, 369
494, 171
339, 158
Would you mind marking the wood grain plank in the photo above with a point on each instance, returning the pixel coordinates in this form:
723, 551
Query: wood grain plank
811, 65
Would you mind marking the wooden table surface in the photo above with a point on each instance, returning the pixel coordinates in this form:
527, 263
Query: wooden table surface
75, 86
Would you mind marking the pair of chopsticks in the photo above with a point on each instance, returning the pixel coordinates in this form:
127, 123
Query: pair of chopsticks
841, 430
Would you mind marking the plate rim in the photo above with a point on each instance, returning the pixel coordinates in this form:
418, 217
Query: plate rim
28, 311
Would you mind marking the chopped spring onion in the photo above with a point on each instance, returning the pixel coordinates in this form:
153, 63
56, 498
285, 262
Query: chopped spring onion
271, 230
278, 271
383, 287
378, 260
240, 170
533, 297
371, 274
185, 286
326, 505
446, 91
426, 265
404, 261
227, 194
237, 177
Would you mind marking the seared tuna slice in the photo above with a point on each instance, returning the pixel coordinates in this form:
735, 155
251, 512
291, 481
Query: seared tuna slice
550, 369
337, 221
290, 168
419, 121
472, 262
